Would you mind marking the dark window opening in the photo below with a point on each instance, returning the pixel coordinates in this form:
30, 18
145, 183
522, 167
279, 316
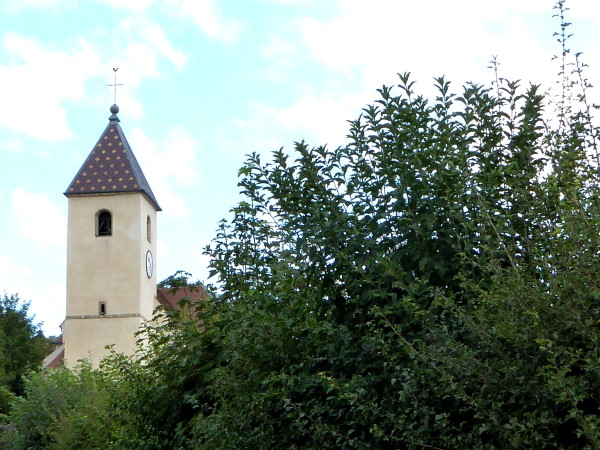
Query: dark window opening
104, 224
102, 308
148, 229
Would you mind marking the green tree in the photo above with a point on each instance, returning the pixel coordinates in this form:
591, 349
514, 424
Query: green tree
433, 283
156, 394
179, 279
23, 345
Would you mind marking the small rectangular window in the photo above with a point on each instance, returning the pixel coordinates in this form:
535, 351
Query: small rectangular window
148, 229
102, 308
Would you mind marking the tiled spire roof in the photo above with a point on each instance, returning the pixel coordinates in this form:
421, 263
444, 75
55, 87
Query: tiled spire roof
111, 166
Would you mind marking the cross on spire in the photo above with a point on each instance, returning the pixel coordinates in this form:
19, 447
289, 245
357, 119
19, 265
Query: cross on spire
115, 85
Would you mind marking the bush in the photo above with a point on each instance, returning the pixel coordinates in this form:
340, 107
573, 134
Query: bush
62, 409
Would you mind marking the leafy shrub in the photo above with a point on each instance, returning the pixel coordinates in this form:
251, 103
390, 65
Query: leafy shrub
62, 409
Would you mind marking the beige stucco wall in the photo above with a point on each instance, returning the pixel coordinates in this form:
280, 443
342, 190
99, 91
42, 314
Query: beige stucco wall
109, 269
87, 338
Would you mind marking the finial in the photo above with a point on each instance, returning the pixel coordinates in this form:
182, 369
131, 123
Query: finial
114, 109
115, 84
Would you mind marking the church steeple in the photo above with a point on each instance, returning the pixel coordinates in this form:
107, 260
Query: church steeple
111, 166
111, 250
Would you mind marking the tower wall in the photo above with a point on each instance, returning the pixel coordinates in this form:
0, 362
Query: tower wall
108, 271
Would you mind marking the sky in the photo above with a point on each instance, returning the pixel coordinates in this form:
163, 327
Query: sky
206, 82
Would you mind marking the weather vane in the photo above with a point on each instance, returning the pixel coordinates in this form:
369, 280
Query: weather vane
115, 84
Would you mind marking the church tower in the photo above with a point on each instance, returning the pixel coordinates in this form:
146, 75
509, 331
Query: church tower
111, 248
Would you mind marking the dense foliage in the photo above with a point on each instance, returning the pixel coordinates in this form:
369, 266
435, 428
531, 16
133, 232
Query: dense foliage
435, 283
62, 409
22, 346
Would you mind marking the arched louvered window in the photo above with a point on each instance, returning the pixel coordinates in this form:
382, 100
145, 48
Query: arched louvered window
103, 223
148, 229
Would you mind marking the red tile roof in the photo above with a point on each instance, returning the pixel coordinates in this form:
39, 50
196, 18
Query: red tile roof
58, 359
170, 298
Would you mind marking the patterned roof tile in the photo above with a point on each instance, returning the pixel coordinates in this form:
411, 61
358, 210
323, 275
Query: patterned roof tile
111, 166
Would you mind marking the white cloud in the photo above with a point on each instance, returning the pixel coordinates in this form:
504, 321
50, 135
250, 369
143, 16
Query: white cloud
24, 4
382, 37
319, 119
142, 44
370, 42
10, 271
38, 79
142, 59
289, 2
41, 221
12, 146
48, 304
207, 15
167, 165
157, 38
178, 159
134, 5
281, 55
578, 9
139, 56
162, 248
47, 297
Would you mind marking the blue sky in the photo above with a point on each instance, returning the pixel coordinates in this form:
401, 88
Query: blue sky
208, 81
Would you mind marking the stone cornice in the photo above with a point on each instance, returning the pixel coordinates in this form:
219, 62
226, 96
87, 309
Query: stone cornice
107, 316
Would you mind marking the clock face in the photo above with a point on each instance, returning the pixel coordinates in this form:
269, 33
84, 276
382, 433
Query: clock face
149, 264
